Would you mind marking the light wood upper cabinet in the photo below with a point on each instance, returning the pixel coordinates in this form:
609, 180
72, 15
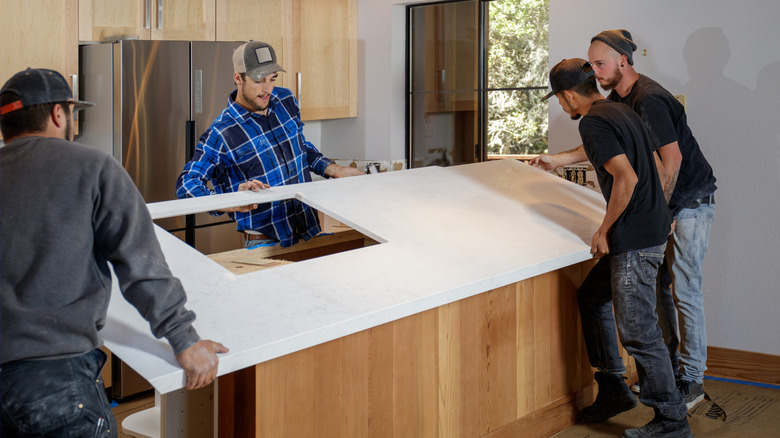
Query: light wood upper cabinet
100, 20
324, 54
264, 20
315, 42
40, 34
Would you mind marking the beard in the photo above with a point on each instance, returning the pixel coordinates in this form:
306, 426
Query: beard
612, 82
250, 100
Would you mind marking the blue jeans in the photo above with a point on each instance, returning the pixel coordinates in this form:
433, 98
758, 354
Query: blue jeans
628, 280
56, 398
684, 311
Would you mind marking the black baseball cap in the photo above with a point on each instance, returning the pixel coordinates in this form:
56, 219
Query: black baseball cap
39, 85
568, 74
257, 59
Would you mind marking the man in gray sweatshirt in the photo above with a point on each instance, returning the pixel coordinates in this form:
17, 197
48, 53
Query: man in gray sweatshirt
68, 211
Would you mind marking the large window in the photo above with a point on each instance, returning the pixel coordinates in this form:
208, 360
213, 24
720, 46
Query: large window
477, 73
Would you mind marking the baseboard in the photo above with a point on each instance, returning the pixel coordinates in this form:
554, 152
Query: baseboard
743, 365
543, 422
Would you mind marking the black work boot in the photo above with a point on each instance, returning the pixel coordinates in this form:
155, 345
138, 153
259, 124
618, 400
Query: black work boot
661, 427
614, 397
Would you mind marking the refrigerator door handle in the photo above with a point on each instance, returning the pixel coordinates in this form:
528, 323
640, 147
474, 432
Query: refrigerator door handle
198, 90
189, 220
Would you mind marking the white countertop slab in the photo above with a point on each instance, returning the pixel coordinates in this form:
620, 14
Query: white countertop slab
446, 233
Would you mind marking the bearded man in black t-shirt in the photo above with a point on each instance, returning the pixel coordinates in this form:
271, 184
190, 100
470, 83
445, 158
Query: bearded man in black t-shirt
630, 246
689, 187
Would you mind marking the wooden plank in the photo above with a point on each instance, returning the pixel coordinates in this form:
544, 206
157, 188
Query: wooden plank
415, 371
328, 384
355, 390
349, 238
470, 338
271, 396
301, 382
526, 335
381, 377
450, 395
501, 360
543, 332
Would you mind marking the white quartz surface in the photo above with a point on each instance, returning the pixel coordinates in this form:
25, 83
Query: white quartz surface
445, 233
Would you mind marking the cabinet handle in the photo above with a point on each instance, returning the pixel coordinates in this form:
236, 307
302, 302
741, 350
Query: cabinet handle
74, 85
148, 14
299, 75
159, 14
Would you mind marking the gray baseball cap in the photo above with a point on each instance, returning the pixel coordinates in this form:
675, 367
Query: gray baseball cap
39, 85
257, 59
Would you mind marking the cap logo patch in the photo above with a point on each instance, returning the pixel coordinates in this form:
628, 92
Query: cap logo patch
263, 55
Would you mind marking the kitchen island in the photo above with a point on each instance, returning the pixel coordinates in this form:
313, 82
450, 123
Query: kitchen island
461, 321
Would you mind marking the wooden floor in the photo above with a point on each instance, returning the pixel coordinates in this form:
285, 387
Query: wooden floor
730, 410
701, 426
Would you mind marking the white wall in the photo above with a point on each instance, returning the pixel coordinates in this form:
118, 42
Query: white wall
378, 131
723, 55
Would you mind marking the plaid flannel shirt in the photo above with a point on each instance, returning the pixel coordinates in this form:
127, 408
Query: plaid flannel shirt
241, 145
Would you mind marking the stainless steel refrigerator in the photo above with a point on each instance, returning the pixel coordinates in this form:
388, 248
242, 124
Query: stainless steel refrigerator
153, 100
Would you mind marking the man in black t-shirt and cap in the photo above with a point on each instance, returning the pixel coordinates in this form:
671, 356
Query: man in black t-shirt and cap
630, 247
689, 187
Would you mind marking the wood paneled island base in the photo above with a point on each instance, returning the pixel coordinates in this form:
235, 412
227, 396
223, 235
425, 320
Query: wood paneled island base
507, 362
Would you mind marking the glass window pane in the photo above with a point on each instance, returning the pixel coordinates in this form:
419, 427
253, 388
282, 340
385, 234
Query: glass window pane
443, 138
517, 122
444, 47
518, 43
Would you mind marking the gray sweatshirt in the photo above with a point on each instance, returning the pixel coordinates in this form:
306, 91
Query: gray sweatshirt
67, 211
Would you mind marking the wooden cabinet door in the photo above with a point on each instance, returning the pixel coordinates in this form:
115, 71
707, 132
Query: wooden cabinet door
324, 58
263, 20
40, 34
183, 20
103, 20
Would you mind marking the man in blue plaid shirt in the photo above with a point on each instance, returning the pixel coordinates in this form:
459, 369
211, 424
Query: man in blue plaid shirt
256, 143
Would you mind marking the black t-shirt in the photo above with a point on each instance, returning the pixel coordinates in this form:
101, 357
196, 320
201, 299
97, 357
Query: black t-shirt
611, 129
665, 116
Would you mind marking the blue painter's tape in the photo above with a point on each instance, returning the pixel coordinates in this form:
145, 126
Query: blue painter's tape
744, 382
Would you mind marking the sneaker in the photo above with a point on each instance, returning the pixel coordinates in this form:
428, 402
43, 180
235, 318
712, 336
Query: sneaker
613, 398
691, 391
661, 427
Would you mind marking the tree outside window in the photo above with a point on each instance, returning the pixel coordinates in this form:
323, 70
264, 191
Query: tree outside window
517, 77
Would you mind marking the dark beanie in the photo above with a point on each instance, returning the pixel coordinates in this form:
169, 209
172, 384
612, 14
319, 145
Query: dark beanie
620, 40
